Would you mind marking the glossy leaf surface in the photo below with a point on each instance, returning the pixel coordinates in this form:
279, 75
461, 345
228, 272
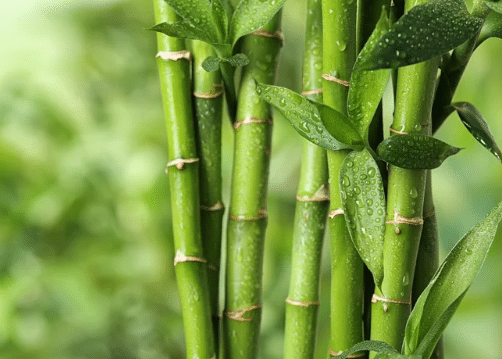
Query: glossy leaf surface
414, 151
492, 27
184, 30
199, 14
250, 15
340, 127
368, 345
450, 282
238, 60
495, 6
475, 123
303, 114
367, 87
363, 201
220, 17
426, 31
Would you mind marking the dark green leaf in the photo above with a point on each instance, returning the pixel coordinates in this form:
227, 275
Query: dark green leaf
340, 127
198, 13
211, 63
474, 122
492, 26
303, 114
250, 15
426, 31
363, 201
367, 87
184, 30
238, 60
220, 17
394, 355
414, 151
449, 283
368, 345
495, 6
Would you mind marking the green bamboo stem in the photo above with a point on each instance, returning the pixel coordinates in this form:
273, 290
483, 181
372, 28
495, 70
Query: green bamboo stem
405, 197
208, 100
247, 218
311, 210
184, 182
347, 285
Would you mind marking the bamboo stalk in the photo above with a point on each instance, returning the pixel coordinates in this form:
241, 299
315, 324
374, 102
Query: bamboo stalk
207, 92
190, 266
347, 285
406, 189
247, 218
311, 210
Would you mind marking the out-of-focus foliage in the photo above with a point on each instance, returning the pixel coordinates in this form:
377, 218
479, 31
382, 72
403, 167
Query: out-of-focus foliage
85, 234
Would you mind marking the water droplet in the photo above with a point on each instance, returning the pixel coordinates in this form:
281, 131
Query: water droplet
413, 193
282, 103
371, 172
304, 127
346, 181
350, 164
369, 211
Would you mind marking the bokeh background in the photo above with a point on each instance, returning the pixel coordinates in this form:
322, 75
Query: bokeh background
85, 229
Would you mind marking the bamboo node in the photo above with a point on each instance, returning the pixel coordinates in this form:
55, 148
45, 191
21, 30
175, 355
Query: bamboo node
301, 304
376, 298
430, 214
398, 219
312, 92
238, 314
215, 92
252, 120
321, 195
180, 258
181, 162
212, 267
174, 55
262, 214
335, 212
398, 132
274, 35
332, 78
218, 206
334, 354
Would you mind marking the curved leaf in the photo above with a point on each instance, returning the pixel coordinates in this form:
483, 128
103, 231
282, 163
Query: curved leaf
211, 63
414, 151
367, 87
220, 17
198, 13
303, 114
238, 60
474, 122
250, 15
368, 345
492, 27
184, 30
363, 201
340, 127
426, 31
495, 6
449, 284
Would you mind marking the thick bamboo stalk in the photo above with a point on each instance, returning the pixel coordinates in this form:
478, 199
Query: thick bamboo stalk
347, 284
311, 210
190, 264
247, 218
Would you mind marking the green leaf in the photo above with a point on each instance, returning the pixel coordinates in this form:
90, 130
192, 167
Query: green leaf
414, 151
492, 27
250, 15
219, 11
495, 6
198, 13
183, 30
367, 87
211, 63
340, 127
475, 123
238, 60
363, 201
368, 345
449, 283
303, 114
426, 31
394, 355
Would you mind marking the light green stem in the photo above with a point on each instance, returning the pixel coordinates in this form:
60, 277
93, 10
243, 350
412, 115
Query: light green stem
184, 184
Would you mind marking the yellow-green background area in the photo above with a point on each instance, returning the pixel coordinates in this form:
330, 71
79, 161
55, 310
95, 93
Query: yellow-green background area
86, 247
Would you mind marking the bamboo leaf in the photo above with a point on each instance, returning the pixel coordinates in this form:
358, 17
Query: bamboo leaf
414, 151
426, 31
250, 15
395, 355
495, 6
492, 27
211, 63
238, 60
198, 13
184, 30
449, 284
475, 123
303, 114
368, 345
367, 87
220, 17
340, 127
363, 201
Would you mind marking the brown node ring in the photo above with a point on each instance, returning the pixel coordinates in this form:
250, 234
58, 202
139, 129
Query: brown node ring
274, 35
320, 195
336, 212
174, 55
215, 92
398, 132
238, 314
181, 162
218, 206
376, 298
301, 304
398, 219
252, 120
312, 92
334, 354
332, 78
262, 214
181, 258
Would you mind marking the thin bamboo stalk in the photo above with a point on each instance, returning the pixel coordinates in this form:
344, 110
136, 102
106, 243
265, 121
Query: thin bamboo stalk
247, 218
190, 264
311, 210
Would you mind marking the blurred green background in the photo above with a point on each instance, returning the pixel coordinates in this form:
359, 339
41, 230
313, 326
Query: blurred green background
85, 234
